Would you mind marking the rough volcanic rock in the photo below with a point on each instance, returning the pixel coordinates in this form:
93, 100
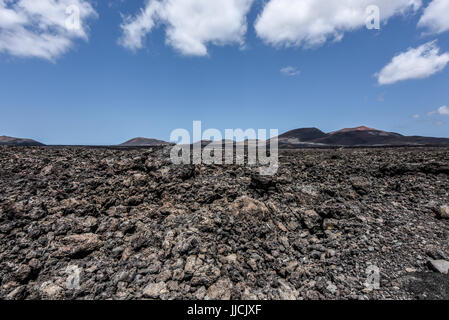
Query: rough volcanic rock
103, 223
444, 212
441, 266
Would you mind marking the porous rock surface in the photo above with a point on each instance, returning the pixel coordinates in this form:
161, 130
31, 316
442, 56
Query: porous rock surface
98, 223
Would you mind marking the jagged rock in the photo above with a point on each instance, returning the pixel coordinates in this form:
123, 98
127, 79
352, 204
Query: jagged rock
441, 266
79, 245
332, 288
155, 290
263, 183
444, 212
17, 294
360, 184
249, 206
22, 273
311, 219
51, 291
128, 224
286, 292
232, 258
205, 275
190, 265
221, 290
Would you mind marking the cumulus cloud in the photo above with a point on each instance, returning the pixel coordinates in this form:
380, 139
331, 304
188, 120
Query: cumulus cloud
31, 28
416, 63
312, 23
190, 24
416, 116
444, 111
290, 71
436, 17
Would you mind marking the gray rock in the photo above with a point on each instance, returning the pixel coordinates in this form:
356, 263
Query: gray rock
311, 219
221, 290
286, 292
51, 291
79, 245
444, 212
155, 290
332, 288
138, 226
441, 266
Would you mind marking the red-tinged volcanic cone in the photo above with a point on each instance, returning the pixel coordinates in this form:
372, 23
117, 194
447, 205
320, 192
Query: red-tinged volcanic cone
351, 137
361, 128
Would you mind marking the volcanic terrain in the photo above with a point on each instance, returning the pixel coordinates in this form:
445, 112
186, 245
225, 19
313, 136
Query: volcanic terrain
131, 225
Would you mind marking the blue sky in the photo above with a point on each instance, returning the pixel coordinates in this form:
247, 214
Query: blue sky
100, 92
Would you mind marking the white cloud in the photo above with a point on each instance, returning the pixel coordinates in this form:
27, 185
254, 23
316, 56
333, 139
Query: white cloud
436, 17
416, 116
37, 28
416, 63
190, 24
444, 111
136, 28
290, 71
312, 23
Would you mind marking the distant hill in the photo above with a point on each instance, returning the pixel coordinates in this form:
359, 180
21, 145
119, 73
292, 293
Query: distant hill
303, 136
11, 141
224, 142
144, 142
359, 136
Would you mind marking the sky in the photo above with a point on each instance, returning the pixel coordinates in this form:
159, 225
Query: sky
134, 68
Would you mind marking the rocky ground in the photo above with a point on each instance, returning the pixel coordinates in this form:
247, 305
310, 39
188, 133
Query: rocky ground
130, 225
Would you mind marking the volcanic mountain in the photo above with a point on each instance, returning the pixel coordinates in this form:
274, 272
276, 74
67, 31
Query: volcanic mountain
11, 141
303, 136
144, 142
359, 136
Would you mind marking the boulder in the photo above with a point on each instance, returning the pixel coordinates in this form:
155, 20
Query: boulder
441, 266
